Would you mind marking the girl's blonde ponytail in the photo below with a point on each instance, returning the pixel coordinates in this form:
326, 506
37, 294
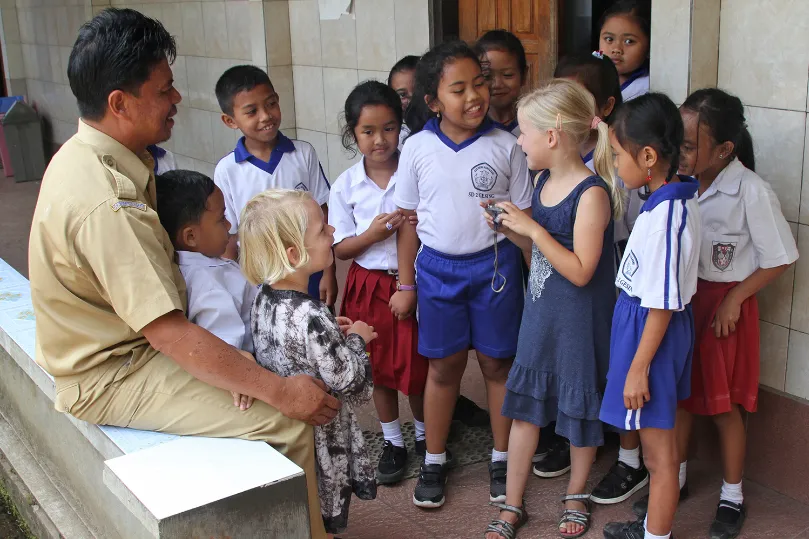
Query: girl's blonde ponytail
604, 165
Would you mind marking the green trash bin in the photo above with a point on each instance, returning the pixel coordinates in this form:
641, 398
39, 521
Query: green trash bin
23, 131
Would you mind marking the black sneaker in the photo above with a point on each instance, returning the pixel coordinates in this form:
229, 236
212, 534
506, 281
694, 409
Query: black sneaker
641, 506
421, 448
429, 492
626, 530
497, 482
392, 464
469, 413
728, 521
621, 482
556, 462
546, 439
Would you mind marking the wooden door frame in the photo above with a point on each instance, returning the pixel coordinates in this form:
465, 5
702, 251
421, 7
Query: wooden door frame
548, 15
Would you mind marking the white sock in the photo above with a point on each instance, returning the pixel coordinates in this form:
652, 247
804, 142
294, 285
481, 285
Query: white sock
630, 457
499, 456
420, 430
440, 458
649, 535
732, 493
393, 433
683, 466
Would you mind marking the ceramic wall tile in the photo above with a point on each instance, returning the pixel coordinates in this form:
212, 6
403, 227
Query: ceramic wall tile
50, 24
412, 27
179, 71
224, 138
173, 21
310, 112
201, 135
304, 29
283, 82
704, 44
240, 18
804, 217
26, 23
56, 64
800, 298
797, 380
774, 75
339, 42
774, 346
778, 137
198, 81
13, 61
11, 25
257, 36
670, 57
775, 301
379, 76
193, 34
319, 143
340, 159
376, 34
339, 82
277, 30
216, 30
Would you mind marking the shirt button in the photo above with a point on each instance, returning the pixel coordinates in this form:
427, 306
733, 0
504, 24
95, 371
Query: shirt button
109, 161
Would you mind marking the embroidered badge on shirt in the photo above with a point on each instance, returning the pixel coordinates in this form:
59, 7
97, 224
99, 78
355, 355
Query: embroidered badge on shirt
128, 204
722, 255
301, 187
483, 177
630, 266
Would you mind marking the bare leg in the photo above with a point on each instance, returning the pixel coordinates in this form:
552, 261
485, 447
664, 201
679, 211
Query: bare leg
682, 428
495, 374
523, 439
630, 440
386, 401
661, 458
581, 461
733, 440
440, 394
417, 406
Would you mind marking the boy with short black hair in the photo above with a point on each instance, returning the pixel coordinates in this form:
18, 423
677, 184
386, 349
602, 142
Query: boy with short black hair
264, 158
192, 210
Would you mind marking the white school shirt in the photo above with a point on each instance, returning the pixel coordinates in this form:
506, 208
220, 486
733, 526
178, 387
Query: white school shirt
445, 182
743, 228
163, 159
636, 84
219, 297
662, 255
293, 165
623, 227
354, 202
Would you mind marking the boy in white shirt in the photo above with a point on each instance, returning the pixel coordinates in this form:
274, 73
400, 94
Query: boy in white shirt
192, 210
264, 158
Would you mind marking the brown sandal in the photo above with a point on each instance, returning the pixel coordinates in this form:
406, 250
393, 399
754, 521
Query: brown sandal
582, 518
504, 528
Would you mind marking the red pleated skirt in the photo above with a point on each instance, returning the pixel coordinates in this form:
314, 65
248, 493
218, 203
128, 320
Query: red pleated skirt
725, 370
395, 361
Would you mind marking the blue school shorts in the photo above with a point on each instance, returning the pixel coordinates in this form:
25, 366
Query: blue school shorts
669, 373
314, 284
459, 309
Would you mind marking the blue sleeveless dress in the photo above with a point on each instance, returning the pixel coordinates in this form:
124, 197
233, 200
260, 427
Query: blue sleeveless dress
560, 371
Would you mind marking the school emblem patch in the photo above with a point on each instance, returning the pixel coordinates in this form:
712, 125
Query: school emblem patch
483, 177
630, 265
301, 187
722, 255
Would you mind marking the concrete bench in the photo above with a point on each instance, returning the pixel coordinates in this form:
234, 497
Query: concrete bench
75, 479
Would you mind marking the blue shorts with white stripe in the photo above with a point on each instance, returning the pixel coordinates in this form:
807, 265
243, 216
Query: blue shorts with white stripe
669, 373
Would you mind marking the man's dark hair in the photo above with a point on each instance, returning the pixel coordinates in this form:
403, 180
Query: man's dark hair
182, 197
238, 79
116, 50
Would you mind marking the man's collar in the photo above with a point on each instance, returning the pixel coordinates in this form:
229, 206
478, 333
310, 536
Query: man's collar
136, 168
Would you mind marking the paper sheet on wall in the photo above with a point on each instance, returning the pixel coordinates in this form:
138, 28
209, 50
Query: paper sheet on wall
334, 9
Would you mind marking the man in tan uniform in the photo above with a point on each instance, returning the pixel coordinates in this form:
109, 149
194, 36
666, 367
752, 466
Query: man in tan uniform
108, 298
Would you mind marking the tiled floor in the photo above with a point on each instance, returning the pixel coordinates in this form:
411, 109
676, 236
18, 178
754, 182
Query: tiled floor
465, 515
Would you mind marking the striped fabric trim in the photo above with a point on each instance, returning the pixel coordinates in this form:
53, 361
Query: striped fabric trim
679, 247
668, 257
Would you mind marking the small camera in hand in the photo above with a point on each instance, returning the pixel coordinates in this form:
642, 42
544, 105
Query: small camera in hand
495, 212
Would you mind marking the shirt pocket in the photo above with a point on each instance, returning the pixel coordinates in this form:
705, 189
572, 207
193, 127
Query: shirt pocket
720, 251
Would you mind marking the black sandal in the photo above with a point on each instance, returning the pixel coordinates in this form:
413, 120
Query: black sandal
504, 528
575, 516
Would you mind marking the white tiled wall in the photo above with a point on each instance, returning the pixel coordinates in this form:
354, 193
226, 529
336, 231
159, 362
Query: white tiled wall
329, 57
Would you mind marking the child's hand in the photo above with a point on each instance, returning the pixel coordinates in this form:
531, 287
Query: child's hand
328, 288
232, 250
363, 330
516, 220
384, 225
727, 315
636, 388
345, 324
240, 401
413, 219
403, 303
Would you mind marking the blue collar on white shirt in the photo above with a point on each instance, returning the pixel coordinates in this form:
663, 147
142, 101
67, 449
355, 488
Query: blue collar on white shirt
587, 158
283, 146
157, 153
685, 189
509, 127
190, 258
635, 75
433, 125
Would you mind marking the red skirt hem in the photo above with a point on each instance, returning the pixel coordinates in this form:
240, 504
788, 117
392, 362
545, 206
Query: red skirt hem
725, 370
395, 361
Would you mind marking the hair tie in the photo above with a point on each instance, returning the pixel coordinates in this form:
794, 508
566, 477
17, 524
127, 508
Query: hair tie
595, 122
598, 54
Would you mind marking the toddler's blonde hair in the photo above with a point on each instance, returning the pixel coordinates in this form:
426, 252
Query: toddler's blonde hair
270, 223
568, 106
